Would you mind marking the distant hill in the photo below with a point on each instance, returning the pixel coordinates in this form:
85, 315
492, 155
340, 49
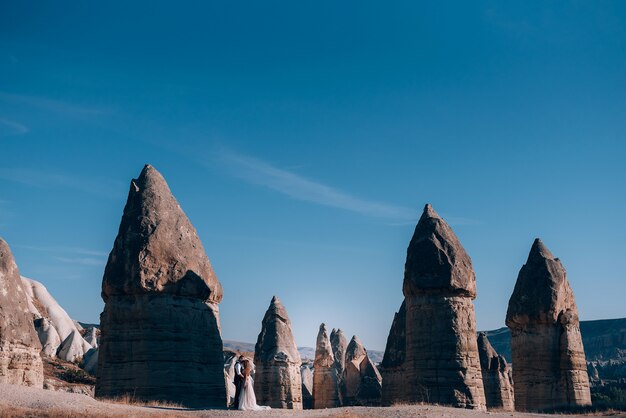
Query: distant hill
604, 340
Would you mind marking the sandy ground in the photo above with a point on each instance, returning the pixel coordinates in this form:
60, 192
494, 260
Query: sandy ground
23, 401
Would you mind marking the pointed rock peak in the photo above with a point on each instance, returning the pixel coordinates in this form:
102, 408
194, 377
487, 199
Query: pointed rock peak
539, 252
276, 335
436, 261
276, 303
355, 349
542, 291
429, 212
485, 348
276, 309
149, 178
323, 350
157, 250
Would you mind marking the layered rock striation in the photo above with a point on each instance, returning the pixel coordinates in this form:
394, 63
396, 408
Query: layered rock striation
441, 362
549, 368
496, 376
325, 378
20, 359
160, 334
278, 382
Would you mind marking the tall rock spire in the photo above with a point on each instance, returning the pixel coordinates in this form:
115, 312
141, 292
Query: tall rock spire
278, 382
549, 359
339, 344
325, 378
20, 361
496, 376
160, 325
442, 363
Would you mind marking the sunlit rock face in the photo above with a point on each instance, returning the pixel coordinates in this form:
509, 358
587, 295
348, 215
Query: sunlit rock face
278, 382
496, 376
20, 361
549, 367
59, 335
160, 333
362, 382
441, 362
325, 377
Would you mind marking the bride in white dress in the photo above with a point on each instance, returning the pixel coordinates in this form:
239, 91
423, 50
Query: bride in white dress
247, 398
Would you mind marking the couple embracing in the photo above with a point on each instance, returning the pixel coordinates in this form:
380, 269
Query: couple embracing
245, 399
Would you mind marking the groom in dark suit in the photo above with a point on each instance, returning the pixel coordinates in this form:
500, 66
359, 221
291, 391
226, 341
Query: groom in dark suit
238, 381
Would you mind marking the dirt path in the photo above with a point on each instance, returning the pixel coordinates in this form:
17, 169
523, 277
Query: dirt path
23, 401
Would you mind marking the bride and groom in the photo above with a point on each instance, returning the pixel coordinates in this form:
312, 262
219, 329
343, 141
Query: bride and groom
245, 399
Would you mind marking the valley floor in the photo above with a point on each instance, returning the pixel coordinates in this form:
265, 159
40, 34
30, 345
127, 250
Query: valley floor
19, 401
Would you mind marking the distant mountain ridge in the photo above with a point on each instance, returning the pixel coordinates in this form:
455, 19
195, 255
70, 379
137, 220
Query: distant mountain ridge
603, 339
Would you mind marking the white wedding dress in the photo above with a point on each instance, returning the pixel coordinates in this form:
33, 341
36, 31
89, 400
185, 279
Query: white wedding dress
247, 398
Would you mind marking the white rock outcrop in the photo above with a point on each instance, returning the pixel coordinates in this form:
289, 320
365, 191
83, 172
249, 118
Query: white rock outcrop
54, 326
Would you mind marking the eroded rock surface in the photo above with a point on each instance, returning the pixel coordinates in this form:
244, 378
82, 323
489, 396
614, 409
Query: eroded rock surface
339, 344
277, 383
160, 333
20, 361
325, 378
441, 359
549, 368
496, 376
395, 389
54, 326
361, 379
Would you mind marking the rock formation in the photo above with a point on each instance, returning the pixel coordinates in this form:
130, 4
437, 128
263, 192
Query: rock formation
339, 344
325, 378
441, 360
229, 375
352, 374
370, 390
361, 379
277, 381
91, 336
54, 326
48, 336
549, 369
160, 334
496, 376
90, 361
307, 387
395, 389
20, 361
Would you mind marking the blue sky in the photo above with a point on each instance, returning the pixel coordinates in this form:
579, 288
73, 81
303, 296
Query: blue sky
302, 139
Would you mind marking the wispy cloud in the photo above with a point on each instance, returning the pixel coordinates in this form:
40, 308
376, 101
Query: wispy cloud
83, 261
44, 179
50, 105
262, 173
10, 127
